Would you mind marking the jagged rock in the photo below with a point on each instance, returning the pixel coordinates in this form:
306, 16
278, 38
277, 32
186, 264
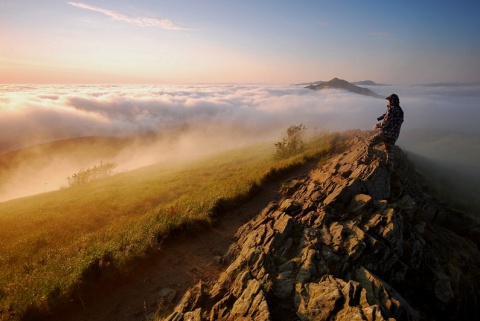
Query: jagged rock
318, 301
251, 305
348, 242
359, 202
167, 294
193, 316
378, 292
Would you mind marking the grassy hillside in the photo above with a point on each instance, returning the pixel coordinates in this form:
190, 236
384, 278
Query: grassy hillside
54, 243
30, 170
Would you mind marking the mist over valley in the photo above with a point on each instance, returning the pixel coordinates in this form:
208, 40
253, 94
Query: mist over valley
49, 132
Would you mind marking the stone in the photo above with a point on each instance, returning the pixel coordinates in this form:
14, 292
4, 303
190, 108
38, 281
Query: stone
167, 294
443, 289
193, 316
317, 301
284, 285
359, 202
350, 242
251, 305
379, 292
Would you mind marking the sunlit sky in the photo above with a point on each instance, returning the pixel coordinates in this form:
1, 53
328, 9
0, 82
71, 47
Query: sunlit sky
248, 41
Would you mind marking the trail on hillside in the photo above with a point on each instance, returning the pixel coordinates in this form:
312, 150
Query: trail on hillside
350, 241
182, 261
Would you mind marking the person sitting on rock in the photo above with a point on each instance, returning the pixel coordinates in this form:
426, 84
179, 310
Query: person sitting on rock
388, 131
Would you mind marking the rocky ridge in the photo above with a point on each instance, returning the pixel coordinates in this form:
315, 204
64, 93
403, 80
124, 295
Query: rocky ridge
347, 242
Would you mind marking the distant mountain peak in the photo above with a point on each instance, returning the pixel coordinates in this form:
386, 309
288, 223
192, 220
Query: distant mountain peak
337, 83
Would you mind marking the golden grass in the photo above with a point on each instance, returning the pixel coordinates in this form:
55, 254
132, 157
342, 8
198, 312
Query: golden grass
53, 243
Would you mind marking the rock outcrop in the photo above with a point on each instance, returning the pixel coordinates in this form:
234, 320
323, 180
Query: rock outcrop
348, 242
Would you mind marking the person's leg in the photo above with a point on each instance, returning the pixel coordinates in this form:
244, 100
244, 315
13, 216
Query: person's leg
390, 148
376, 139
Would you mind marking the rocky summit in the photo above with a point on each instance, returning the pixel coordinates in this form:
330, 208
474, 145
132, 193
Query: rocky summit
347, 242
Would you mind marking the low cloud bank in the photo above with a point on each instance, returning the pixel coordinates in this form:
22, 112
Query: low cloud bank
37, 114
34, 114
206, 118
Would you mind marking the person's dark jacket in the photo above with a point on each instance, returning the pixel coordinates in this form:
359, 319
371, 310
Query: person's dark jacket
391, 123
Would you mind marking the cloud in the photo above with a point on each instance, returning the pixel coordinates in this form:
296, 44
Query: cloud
137, 21
192, 120
34, 114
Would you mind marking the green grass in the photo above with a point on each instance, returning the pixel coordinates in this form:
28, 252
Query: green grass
55, 243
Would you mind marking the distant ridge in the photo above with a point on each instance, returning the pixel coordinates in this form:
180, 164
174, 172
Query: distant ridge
368, 83
336, 83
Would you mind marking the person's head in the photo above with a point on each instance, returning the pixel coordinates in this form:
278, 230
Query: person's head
393, 100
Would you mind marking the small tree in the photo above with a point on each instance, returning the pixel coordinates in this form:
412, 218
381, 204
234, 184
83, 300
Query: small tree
90, 174
292, 143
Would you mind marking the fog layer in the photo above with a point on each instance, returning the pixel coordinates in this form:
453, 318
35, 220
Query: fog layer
197, 119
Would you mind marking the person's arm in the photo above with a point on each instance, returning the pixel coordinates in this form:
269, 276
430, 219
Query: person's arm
384, 121
391, 117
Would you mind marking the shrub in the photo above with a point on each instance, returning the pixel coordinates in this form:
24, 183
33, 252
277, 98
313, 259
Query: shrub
90, 174
292, 143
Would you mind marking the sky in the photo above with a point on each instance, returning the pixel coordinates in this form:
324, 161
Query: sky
248, 41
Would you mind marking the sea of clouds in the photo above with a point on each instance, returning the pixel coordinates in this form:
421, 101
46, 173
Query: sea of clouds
34, 114
216, 117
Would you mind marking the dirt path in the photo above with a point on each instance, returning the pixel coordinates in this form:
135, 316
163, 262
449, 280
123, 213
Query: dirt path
181, 263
